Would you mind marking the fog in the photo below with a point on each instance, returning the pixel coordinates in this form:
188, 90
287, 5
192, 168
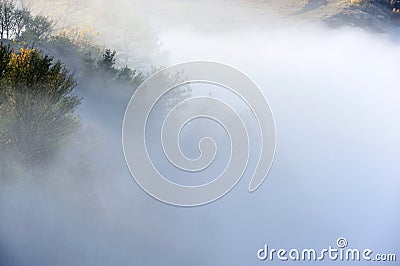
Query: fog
334, 96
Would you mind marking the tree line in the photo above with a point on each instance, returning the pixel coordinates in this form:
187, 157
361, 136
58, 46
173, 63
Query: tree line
20, 24
38, 100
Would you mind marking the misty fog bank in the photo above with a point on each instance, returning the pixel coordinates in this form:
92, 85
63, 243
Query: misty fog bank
334, 94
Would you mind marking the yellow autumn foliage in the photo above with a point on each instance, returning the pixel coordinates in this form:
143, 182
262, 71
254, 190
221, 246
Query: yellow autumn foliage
21, 60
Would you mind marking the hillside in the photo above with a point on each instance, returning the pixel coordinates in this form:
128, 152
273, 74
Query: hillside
377, 15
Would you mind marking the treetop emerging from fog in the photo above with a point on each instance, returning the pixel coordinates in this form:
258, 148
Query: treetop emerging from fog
37, 108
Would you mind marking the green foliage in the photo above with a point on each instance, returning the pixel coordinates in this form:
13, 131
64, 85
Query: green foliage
20, 24
74, 46
37, 29
5, 54
37, 107
107, 61
105, 69
126, 74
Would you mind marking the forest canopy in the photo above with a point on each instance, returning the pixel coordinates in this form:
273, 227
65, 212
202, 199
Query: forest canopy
41, 73
37, 107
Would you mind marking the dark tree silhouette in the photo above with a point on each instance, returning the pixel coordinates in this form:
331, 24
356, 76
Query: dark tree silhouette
107, 62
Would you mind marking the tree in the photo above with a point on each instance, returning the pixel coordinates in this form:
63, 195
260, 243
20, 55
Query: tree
107, 62
125, 74
7, 8
37, 107
22, 18
20, 24
37, 29
5, 54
